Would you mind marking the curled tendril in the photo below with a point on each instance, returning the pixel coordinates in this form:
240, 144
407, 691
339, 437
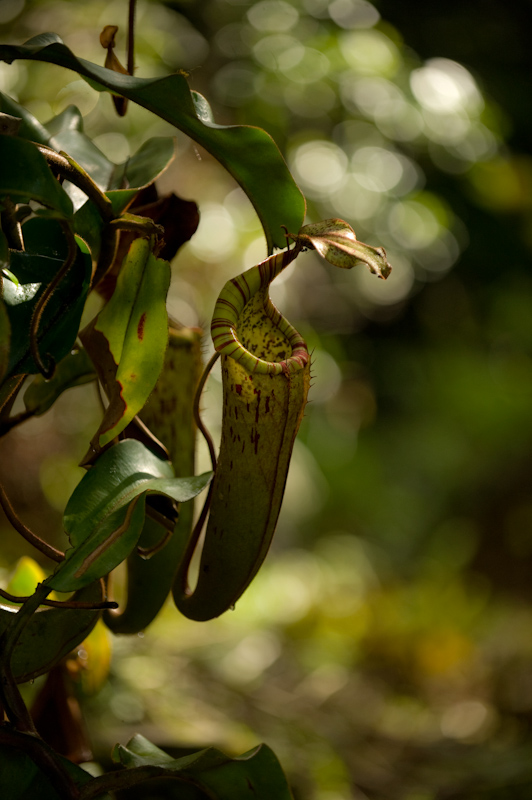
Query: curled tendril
45, 548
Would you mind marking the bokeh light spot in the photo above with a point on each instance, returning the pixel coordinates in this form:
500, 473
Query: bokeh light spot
353, 13
320, 166
216, 237
443, 85
412, 224
376, 168
273, 15
370, 52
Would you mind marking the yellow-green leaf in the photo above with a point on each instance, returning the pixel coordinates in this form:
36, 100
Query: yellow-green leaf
128, 338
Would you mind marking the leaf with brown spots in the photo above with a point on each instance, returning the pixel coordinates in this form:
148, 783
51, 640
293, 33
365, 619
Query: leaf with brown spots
128, 338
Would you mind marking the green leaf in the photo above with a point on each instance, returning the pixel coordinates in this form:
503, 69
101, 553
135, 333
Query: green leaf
10, 276
25, 175
141, 169
60, 321
255, 775
336, 241
150, 161
73, 370
105, 514
30, 127
128, 338
249, 154
51, 633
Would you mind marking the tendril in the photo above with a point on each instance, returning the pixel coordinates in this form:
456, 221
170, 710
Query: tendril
43, 547
74, 604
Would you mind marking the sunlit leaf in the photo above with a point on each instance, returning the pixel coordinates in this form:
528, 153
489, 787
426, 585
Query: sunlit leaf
248, 153
128, 338
105, 514
255, 775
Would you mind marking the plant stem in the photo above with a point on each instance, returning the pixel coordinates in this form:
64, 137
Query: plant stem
131, 37
67, 168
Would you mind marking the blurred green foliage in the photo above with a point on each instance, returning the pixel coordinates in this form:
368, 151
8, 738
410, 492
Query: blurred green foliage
384, 650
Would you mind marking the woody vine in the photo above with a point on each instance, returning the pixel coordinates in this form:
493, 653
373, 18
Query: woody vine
135, 502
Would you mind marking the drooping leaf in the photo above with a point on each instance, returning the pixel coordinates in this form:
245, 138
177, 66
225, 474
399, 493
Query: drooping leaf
128, 338
105, 514
25, 175
265, 376
255, 775
336, 241
51, 633
169, 416
248, 153
60, 320
74, 369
